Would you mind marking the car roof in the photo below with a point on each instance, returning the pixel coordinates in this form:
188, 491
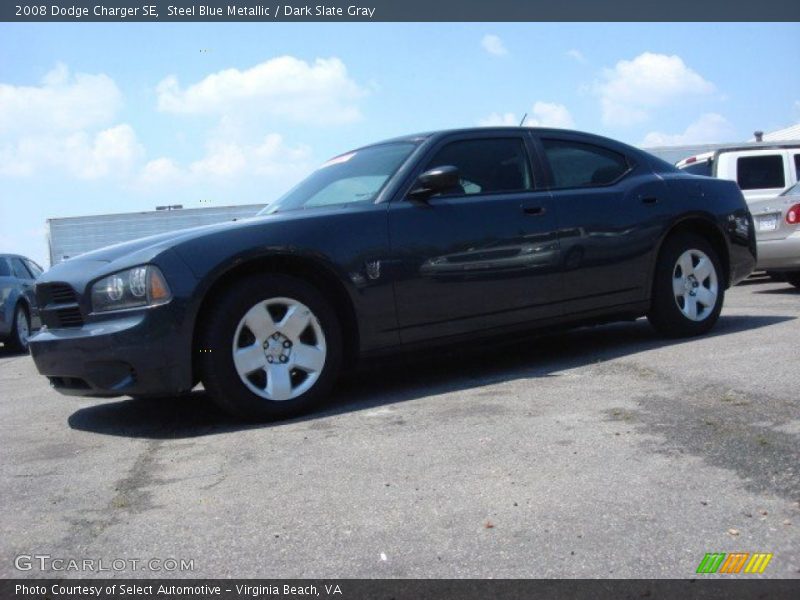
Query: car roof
8, 255
747, 147
423, 136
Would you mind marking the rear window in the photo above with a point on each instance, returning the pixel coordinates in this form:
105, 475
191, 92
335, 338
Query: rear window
20, 270
699, 168
760, 172
35, 269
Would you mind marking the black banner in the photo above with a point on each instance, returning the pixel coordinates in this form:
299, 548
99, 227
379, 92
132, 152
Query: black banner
400, 589
399, 10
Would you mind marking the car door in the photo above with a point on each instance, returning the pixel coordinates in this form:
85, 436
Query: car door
609, 211
484, 255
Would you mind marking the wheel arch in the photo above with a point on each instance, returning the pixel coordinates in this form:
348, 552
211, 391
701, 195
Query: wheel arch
21, 300
321, 276
705, 227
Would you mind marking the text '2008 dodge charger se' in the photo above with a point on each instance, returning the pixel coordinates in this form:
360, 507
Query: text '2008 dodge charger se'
417, 240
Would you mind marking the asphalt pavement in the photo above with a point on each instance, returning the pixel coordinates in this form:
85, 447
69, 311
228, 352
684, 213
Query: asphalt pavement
599, 452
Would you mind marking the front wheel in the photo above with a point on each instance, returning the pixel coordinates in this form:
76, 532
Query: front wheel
271, 347
688, 290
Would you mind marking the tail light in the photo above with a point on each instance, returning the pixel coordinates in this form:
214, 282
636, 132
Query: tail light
793, 215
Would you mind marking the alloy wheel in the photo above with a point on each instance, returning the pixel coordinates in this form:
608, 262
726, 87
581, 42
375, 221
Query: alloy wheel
695, 285
279, 349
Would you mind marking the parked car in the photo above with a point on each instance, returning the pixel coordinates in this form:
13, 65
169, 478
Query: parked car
777, 223
762, 170
19, 312
267, 311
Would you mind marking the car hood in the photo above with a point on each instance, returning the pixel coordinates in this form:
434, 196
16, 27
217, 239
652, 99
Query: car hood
154, 244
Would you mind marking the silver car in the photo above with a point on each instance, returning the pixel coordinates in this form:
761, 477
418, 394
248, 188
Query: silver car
18, 311
777, 222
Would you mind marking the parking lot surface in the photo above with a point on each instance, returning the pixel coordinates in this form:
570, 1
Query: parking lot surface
600, 452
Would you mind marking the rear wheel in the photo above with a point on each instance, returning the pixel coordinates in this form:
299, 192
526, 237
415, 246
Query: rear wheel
21, 330
777, 276
793, 278
688, 291
271, 347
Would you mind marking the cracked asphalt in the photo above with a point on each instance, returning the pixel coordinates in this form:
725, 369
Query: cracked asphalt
600, 452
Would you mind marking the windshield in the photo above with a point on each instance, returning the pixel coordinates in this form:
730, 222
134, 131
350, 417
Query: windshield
353, 177
793, 191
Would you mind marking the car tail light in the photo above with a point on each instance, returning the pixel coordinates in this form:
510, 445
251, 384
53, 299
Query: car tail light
793, 215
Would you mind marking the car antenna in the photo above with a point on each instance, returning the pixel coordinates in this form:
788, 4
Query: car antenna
525, 116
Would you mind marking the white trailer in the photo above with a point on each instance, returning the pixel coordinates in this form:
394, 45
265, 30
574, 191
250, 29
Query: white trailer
72, 236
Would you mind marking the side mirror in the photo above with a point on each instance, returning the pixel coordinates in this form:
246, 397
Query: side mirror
436, 181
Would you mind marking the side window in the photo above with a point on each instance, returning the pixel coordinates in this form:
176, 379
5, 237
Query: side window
5, 271
699, 168
760, 172
486, 166
574, 164
35, 269
20, 270
797, 167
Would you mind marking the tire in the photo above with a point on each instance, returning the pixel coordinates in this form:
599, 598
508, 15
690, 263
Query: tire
20, 330
688, 287
777, 276
793, 278
288, 341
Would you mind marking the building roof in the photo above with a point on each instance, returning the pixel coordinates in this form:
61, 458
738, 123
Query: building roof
782, 135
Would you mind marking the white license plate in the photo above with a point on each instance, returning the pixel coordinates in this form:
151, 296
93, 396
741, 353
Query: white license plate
767, 223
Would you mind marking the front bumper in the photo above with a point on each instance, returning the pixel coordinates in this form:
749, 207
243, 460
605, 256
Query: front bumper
780, 255
135, 353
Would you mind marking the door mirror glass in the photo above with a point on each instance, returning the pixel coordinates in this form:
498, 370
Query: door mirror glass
439, 180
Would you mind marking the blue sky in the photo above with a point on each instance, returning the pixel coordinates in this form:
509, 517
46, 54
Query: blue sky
103, 118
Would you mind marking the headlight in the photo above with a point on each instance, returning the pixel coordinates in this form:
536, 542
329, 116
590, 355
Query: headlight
134, 288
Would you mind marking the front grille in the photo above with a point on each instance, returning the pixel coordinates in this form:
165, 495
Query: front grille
55, 293
69, 317
62, 294
59, 305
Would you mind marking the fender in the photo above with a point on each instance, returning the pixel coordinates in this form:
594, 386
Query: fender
707, 219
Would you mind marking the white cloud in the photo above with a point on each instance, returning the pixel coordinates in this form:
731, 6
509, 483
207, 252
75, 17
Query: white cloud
549, 114
576, 55
109, 152
321, 92
62, 102
160, 171
227, 159
64, 124
634, 88
709, 128
494, 45
542, 114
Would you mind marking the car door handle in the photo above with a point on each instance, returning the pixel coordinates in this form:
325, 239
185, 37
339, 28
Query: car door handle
648, 199
534, 210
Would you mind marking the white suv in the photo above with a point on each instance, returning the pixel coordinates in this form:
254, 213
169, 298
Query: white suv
768, 176
762, 170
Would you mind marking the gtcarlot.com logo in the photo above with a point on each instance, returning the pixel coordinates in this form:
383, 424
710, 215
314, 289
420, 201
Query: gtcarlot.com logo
735, 562
46, 562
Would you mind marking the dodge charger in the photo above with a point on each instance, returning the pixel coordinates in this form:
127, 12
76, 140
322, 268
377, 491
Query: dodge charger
421, 240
